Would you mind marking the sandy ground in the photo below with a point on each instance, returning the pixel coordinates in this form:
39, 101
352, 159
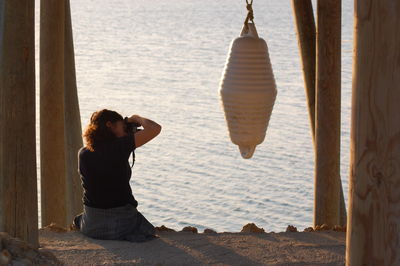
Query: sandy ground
186, 248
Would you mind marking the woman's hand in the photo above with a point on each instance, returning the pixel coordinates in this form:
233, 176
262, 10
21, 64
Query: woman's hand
135, 119
150, 129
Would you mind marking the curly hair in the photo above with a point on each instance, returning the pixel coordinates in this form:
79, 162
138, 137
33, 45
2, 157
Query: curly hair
97, 131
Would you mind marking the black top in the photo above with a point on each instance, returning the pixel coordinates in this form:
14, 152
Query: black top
105, 173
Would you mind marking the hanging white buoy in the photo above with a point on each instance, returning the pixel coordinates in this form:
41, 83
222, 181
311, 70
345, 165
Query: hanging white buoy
248, 90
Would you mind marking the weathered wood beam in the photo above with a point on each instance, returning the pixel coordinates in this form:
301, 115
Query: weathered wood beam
60, 127
52, 131
73, 122
18, 179
328, 97
305, 26
373, 232
306, 33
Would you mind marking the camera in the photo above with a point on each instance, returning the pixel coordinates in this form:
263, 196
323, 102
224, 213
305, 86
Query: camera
131, 127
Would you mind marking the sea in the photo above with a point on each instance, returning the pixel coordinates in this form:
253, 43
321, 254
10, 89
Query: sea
163, 60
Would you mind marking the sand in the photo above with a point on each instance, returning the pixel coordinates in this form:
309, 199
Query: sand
16, 252
187, 248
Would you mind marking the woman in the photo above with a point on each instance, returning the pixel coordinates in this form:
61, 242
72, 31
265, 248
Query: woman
109, 206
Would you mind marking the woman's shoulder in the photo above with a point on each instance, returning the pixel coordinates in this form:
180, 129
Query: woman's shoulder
83, 151
109, 148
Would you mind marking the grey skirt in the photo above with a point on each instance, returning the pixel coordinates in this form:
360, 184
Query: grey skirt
120, 223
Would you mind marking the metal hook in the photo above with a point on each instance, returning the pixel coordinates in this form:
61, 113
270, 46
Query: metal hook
250, 15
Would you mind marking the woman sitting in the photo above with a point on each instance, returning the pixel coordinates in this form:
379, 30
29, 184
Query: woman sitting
109, 207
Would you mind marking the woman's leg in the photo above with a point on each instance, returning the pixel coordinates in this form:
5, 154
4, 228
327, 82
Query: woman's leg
142, 229
144, 226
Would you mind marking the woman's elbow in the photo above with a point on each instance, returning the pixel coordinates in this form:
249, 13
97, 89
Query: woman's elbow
158, 129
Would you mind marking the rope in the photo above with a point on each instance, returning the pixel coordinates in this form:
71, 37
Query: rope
250, 15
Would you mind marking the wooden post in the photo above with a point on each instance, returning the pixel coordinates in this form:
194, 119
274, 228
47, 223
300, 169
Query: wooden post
374, 208
73, 122
305, 25
328, 84
52, 138
59, 116
18, 179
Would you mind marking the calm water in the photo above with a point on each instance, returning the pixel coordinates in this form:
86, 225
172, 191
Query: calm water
163, 60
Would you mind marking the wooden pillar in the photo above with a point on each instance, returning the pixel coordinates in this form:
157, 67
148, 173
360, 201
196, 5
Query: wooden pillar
59, 116
305, 25
373, 235
18, 179
73, 122
327, 138
306, 32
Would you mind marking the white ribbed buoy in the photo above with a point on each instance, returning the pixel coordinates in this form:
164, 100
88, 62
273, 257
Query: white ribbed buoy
248, 90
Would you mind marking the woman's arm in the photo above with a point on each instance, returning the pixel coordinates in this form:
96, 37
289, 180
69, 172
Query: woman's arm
150, 129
